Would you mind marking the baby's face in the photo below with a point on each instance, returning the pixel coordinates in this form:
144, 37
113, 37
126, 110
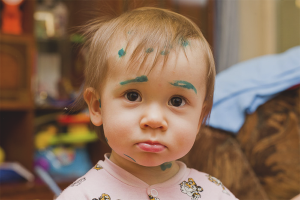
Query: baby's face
153, 118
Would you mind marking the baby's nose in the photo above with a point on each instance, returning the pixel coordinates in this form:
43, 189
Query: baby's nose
154, 118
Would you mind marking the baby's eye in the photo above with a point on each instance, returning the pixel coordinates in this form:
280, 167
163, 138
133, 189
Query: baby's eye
177, 101
133, 96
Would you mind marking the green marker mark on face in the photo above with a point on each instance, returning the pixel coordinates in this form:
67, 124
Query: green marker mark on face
184, 84
138, 79
130, 157
121, 53
165, 165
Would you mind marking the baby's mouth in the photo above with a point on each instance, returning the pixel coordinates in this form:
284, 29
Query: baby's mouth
149, 146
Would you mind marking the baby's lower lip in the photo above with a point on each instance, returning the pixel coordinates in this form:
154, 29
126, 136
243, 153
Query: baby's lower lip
155, 148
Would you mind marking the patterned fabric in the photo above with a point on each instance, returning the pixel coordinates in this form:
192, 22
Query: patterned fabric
107, 181
270, 139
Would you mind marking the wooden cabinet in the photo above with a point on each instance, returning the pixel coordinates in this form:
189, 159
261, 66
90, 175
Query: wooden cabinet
16, 65
17, 57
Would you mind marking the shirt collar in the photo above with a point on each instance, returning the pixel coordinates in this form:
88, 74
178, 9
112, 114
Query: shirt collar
129, 179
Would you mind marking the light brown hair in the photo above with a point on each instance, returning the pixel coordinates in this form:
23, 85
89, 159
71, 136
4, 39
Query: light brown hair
149, 29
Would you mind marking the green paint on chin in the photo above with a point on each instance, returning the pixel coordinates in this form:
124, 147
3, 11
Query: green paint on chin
130, 157
138, 79
165, 165
121, 53
184, 84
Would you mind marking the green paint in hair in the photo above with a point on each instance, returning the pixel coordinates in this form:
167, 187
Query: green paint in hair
164, 53
149, 50
121, 53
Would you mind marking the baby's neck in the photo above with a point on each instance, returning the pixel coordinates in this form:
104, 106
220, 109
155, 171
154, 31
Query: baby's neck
150, 175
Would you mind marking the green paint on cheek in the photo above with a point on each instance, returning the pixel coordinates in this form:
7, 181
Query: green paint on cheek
184, 84
130, 157
165, 165
121, 53
137, 79
99, 103
106, 139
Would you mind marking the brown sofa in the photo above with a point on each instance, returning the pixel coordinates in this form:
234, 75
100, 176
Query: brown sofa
263, 160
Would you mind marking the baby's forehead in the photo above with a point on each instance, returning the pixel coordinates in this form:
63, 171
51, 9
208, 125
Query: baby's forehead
133, 55
183, 64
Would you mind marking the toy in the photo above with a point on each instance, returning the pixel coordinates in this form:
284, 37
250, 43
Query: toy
11, 17
63, 155
63, 163
78, 132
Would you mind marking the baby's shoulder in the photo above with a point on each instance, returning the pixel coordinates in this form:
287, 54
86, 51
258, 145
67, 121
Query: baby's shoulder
211, 186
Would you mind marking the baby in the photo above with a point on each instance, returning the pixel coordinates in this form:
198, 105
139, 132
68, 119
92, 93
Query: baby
149, 88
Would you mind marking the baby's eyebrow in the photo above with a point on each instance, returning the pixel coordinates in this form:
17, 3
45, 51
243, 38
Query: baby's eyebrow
184, 84
138, 79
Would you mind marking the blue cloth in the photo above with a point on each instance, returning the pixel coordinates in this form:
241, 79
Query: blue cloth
240, 89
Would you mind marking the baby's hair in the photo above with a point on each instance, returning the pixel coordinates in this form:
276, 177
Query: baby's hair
148, 30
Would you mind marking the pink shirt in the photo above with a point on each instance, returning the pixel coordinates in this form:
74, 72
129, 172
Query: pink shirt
107, 181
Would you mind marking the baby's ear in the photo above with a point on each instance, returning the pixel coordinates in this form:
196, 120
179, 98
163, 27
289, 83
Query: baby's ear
92, 101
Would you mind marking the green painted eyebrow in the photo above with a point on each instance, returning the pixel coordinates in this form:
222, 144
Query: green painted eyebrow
184, 84
138, 79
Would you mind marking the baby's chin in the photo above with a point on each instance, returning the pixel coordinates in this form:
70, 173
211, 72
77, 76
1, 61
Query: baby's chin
152, 163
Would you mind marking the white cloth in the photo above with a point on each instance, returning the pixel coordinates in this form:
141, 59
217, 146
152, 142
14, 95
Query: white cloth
240, 89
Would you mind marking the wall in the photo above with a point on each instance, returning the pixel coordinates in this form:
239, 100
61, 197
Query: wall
267, 27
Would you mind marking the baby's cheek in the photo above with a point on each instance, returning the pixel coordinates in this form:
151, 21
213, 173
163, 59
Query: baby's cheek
186, 135
118, 126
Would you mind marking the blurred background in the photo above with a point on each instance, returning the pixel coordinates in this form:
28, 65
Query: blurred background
41, 74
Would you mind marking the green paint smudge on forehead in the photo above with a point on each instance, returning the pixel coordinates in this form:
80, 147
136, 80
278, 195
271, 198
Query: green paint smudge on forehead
184, 84
138, 79
164, 53
121, 53
184, 42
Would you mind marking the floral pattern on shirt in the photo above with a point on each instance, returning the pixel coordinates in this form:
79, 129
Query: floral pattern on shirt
191, 189
218, 182
103, 197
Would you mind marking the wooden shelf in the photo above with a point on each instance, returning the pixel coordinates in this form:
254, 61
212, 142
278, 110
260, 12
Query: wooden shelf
6, 106
35, 190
